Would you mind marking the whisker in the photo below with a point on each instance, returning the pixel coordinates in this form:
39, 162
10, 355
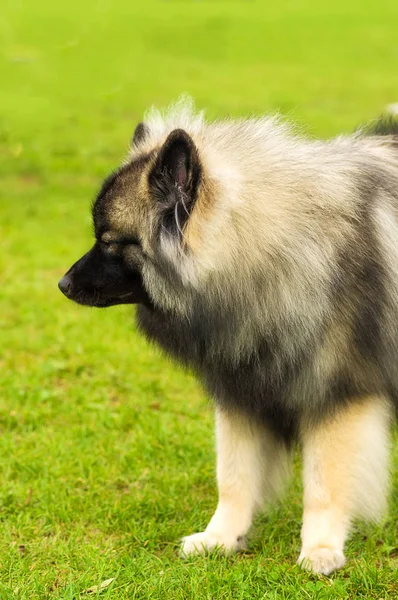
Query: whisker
177, 220
183, 203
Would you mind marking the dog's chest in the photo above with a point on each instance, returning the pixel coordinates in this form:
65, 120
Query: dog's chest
249, 385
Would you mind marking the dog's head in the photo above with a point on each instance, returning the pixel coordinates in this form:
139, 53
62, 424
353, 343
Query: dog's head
141, 217
180, 225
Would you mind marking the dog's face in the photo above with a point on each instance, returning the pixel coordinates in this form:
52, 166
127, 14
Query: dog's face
140, 209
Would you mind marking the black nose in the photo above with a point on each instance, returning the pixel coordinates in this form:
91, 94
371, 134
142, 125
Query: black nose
65, 285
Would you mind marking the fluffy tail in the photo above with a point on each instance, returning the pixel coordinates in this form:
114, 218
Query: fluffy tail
387, 124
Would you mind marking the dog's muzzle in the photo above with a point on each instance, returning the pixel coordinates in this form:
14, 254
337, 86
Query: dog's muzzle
101, 281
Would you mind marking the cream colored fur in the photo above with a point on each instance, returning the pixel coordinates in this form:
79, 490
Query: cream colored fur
252, 466
345, 477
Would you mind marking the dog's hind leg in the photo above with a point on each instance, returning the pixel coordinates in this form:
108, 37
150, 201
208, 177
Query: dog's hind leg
345, 476
251, 464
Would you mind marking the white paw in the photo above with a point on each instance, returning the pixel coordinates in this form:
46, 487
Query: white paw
321, 560
202, 543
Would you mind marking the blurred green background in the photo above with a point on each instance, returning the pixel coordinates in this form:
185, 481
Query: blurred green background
106, 449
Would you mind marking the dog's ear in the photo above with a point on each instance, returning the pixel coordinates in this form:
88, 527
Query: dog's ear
140, 133
175, 177
177, 167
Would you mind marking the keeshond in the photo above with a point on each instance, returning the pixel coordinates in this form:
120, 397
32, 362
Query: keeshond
268, 264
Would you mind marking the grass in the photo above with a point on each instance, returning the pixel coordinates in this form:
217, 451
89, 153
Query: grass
106, 449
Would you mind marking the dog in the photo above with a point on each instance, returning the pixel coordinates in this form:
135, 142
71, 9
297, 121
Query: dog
268, 264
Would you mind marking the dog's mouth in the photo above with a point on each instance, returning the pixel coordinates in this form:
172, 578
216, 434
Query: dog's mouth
97, 298
114, 300
126, 298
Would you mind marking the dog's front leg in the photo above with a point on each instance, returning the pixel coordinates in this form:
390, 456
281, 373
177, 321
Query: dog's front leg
250, 464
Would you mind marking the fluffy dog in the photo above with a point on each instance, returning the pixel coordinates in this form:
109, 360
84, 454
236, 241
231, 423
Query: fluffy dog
269, 265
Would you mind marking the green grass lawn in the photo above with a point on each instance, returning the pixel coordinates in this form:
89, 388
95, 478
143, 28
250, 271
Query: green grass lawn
106, 449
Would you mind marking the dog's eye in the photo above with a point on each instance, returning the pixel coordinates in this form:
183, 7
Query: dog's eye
121, 242
133, 242
128, 241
